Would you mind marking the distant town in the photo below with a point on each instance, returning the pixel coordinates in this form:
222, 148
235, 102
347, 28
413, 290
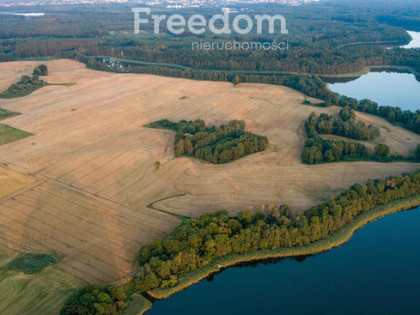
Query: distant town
167, 3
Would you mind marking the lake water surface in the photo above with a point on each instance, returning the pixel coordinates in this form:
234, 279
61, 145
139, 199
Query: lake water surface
376, 272
415, 42
385, 88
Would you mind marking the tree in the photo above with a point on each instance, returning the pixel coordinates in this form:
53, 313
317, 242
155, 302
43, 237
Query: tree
382, 150
236, 80
40, 70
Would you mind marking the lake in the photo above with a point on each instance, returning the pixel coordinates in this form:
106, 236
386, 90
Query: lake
376, 272
415, 42
28, 14
385, 88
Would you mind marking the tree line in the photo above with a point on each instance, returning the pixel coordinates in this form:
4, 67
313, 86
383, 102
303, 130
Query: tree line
216, 145
196, 242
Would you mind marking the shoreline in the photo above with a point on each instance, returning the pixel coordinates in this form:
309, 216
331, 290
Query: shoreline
344, 75
334, 240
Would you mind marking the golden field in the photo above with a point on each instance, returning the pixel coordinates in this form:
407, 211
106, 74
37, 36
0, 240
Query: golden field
83, 180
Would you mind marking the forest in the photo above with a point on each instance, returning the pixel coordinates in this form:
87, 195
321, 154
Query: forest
321, 41
27, 84
198, 241
216, 145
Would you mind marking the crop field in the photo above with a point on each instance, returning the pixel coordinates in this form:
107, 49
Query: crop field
87, 174
42, 293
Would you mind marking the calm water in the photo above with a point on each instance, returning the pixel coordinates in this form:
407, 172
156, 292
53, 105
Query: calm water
376, 272
385, 88
415, 42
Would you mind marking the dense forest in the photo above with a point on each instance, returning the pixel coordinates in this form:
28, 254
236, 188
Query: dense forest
330, 38
213, 144
199, 241
27, 84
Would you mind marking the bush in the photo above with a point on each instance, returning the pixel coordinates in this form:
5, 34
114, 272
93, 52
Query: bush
32, 263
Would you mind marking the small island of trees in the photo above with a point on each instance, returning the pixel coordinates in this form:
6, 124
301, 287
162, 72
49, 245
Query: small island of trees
213, 144
27, 84
346, 126
319, 150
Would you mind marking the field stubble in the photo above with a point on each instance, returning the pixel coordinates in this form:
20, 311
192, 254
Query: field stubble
91, 163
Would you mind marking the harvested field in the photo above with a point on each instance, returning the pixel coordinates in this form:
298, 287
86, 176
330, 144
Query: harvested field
42, 293
11, 181
93, 162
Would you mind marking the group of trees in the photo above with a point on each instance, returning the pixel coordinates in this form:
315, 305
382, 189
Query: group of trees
40, 70
198, 241
213, 144
94, 299
395, 115
346, 126
27, 84
417, 153
319, 150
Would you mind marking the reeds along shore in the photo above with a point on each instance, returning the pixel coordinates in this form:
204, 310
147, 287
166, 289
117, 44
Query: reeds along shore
334, 240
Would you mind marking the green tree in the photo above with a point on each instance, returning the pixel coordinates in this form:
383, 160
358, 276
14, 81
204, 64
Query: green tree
382, 150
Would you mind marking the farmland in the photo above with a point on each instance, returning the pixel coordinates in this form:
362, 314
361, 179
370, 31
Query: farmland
33, 294
85, 177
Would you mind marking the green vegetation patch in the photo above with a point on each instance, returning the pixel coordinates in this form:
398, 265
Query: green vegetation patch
24, 87
319, 150
213, 144
345, 126
309, 103
9, 134
27, 84
32, 263
138, 305
7, 114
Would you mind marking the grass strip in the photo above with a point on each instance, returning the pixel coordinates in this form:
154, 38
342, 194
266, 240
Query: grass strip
9, 134
152, 207
138, 305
